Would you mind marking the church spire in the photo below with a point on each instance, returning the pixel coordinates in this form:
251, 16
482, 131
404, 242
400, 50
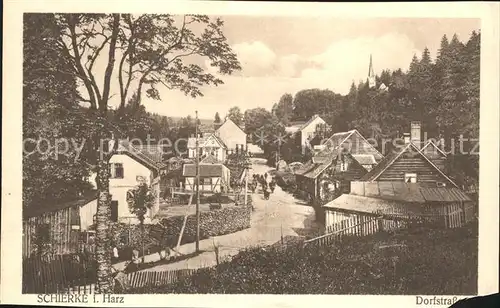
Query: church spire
371, 74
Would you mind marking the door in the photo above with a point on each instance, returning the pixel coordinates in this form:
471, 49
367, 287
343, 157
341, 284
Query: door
114, 211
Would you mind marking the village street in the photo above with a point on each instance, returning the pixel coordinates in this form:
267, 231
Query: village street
281, 215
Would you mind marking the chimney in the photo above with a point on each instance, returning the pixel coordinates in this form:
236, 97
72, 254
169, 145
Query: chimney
416, 137
406, 137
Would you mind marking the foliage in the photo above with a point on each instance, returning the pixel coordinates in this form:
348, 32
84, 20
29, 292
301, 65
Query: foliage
442, 93
284, 108
50, 113
142, 52
237, 162
353, 266
235, 115
217, 118
139, 200
256, 118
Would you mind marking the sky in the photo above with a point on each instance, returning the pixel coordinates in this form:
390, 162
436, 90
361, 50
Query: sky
287, 54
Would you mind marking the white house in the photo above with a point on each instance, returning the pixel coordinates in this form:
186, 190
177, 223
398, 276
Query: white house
306, 130
309, 129
129, 167
232, 135
209, 144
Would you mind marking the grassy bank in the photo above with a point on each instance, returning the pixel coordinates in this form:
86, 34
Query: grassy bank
421, 262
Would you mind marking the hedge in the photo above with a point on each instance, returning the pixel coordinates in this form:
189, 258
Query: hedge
434, 262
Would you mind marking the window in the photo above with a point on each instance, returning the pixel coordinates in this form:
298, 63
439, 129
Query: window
410, 178
116, 171
343, 166
114, 211
441, 184
206, 181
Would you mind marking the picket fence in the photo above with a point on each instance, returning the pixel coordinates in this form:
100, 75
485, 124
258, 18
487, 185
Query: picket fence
76, 274
58, 273
157, 278
354, 226
360, 225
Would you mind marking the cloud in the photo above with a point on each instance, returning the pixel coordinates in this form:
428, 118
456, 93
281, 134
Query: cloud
267, 75
348, 60
256, 58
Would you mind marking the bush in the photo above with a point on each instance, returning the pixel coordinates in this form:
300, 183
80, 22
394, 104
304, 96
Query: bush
434, 262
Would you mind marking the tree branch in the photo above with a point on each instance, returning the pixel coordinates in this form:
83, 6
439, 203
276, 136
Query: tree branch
111, 61
78, 63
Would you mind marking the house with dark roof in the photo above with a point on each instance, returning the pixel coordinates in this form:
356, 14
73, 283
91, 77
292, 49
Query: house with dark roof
347, 156
388, 205
214, 177
57, 225
408, 181
408, 164
322, 177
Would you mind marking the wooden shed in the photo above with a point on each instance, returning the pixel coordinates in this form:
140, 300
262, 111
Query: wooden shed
448, 207
56, 225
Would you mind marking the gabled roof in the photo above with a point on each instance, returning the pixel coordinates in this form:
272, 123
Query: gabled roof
385, 163
136, 153
191, 144
228, 120
206, 170
48, 207
337, 141
314, 117
154, 152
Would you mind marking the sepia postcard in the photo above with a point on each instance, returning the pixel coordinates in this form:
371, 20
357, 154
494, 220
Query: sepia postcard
260, 154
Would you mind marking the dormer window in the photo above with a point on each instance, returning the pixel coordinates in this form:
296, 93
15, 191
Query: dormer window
410, 178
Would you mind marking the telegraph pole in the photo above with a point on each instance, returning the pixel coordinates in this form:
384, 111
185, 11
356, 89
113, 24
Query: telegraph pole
197, 187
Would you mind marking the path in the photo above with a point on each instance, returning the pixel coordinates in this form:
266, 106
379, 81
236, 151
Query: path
281, 215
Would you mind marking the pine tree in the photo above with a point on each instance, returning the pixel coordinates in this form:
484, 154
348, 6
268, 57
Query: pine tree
453, 92
217, 118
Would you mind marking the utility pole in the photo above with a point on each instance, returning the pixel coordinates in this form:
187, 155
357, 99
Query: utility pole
197, 187
246, 184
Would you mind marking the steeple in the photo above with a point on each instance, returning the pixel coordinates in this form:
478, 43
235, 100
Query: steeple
371, 74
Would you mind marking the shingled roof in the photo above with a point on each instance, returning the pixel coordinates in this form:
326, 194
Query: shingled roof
139, 154
387, 161
408, 192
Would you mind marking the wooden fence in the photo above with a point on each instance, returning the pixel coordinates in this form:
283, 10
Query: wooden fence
361, 225
157, 278
355, 226
59, 273
76, 274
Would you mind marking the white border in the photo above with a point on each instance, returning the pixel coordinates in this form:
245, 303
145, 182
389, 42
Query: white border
11, 155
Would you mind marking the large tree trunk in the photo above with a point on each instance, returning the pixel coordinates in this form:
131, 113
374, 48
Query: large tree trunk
103, 217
